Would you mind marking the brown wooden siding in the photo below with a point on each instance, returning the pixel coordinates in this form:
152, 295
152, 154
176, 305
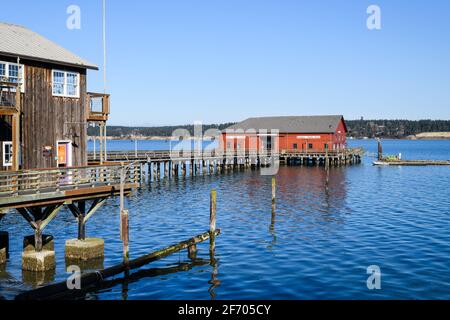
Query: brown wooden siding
47, 119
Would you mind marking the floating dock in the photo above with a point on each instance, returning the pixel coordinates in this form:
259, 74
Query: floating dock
412, 163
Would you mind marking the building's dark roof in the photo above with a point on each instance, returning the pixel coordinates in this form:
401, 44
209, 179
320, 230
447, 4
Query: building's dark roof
295, 124
17, 41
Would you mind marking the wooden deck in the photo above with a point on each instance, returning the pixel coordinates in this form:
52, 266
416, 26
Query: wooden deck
28, 188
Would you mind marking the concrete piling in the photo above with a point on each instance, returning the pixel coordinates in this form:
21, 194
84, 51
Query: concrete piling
90, 248
38, 256
4, 247
38, 261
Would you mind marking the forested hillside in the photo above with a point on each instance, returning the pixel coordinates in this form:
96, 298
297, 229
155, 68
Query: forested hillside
357, 128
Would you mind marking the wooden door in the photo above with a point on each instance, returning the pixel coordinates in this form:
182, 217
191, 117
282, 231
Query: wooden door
63, 154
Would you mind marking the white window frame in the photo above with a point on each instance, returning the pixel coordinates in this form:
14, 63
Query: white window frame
21, 74
65, 94
7, 164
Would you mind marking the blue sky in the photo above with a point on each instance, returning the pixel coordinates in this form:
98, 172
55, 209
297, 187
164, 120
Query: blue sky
175, 62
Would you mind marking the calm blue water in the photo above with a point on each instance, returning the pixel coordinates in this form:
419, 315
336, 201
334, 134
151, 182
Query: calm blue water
317, 245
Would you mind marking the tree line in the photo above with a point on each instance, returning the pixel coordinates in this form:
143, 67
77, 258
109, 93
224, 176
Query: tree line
165, 131
395, 128
357, 128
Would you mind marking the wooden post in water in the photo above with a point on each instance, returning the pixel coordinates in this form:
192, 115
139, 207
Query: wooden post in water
380, 150
81, 222
212, 222
124, 230
274, 190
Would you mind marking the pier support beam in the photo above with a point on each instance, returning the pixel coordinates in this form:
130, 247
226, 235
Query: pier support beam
39, 255
84, 248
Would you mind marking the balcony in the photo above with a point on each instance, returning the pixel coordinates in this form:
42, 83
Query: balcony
9, 98
97, 107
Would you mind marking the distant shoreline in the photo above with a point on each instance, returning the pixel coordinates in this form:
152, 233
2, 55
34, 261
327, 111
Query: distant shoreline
152, 138
421, 136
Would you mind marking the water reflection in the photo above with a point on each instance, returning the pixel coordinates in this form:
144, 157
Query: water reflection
272, 227
88, 265
38, 279
4, 275
130, 278
214, 263
214, 282
313, 193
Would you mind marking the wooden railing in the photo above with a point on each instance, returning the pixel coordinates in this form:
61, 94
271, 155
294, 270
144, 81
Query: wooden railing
162, 155
98, 106
33, 182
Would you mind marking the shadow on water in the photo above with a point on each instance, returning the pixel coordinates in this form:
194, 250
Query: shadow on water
92, 292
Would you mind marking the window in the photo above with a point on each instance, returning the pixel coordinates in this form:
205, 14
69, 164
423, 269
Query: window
295, 146
2, 69
7, 154
66, 84
12, 72
325, 146
310, 146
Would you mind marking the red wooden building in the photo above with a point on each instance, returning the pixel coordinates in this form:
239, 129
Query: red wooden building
297, 133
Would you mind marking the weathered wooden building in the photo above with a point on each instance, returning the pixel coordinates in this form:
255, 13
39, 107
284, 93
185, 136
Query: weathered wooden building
298, 133
44, 104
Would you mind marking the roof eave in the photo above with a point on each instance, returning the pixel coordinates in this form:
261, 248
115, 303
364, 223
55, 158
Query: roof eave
62, 63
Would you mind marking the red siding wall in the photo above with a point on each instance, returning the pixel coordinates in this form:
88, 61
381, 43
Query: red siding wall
290, 141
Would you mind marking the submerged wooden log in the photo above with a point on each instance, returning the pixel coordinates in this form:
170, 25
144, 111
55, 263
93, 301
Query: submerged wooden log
92, 278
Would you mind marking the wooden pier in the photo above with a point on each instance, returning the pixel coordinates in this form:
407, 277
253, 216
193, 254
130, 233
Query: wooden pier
39, 195
31, 188
167, 164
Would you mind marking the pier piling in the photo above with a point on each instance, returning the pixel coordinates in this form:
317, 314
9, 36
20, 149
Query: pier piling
212, 221
84, 248
124, 229
40, 258
4, 247
274, 190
